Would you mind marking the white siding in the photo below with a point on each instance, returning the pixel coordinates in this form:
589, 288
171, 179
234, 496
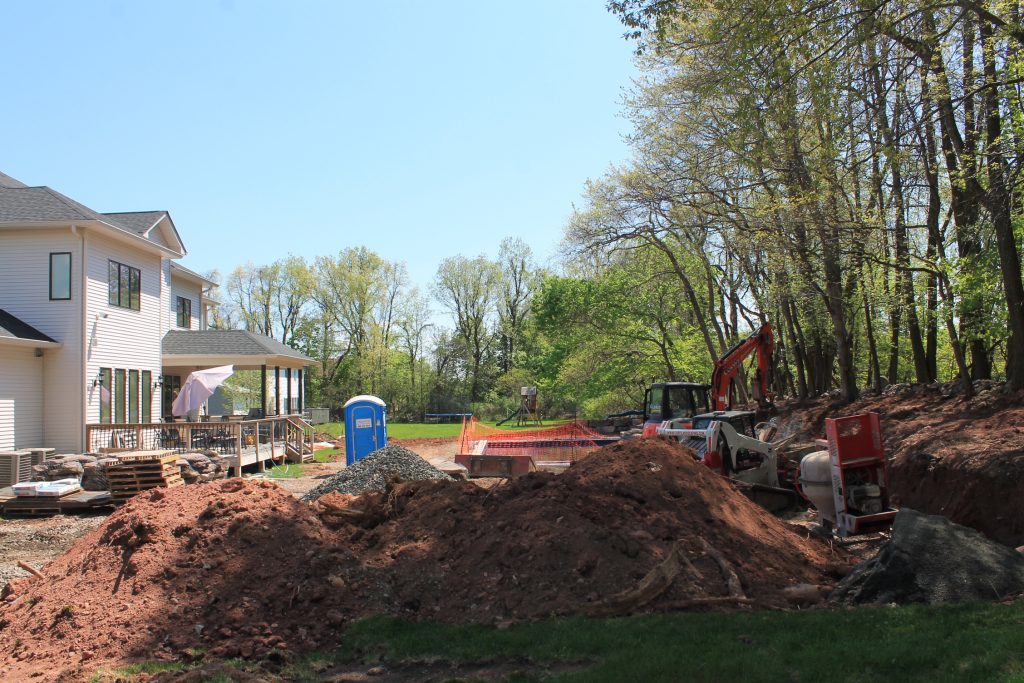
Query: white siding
21, 398
25, 293
166, 310
121, 338
191, 291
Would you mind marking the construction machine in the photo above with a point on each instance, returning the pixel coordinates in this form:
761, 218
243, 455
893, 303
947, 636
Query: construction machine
681, 400
728, 366
730, 443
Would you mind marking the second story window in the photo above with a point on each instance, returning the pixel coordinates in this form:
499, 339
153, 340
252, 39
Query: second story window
184, 312
60, 276
125, 285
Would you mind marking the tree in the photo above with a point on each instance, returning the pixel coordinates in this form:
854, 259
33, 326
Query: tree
467, 288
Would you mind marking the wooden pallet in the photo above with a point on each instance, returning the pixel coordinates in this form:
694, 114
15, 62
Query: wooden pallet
138, 472
123, 490
12, 505
144, 457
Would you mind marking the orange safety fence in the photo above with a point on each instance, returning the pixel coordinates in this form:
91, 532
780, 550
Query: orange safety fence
565, 442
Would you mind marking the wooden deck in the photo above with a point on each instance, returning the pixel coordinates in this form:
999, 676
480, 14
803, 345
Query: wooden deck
242, 442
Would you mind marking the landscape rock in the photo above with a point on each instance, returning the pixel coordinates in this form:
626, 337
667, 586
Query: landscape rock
932, 560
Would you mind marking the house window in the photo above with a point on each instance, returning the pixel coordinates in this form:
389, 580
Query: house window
124, 285
184, 312
147, 396
60, 276
105, 375
133, 396
119, 396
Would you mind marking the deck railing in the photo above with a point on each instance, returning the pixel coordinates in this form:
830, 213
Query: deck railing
282, 437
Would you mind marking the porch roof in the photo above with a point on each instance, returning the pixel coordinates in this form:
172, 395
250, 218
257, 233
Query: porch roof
228, 347
16, 331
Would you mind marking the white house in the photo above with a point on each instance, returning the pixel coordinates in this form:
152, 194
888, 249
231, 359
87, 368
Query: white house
99, 323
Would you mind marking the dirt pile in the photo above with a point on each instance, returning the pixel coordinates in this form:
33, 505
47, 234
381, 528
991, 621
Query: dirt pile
177, 568
951, 456
238, 568
931, 560
564, 544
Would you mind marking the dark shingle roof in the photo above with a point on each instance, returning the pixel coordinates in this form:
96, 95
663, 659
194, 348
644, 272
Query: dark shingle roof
41, 204
8, 181
136, 221
225, 343
19, 203
14, 328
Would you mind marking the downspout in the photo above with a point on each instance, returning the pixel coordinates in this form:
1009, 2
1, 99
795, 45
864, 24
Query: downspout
85, 341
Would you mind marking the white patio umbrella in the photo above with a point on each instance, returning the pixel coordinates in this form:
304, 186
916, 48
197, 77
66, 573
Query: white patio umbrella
198, 387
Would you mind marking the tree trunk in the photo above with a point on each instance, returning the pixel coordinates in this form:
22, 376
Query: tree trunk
1000, 206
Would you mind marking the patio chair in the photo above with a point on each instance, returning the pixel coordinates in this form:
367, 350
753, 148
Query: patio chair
169, 437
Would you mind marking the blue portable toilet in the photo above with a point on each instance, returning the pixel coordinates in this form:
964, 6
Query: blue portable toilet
366, 427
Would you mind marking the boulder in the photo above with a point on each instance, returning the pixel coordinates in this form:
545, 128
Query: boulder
931, 560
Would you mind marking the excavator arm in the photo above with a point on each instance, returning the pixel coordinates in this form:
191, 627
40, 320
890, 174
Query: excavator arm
726, 368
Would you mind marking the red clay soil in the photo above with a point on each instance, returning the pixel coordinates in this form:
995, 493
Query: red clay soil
963, 459
240, 568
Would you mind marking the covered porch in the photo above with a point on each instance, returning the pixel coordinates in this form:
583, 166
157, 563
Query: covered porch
269, 377
253, 418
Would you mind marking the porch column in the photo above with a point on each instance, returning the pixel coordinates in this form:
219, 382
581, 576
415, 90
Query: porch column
277, 390
263, 390
302, 393
288, 378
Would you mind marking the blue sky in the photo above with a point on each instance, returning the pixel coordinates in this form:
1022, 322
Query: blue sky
418, 129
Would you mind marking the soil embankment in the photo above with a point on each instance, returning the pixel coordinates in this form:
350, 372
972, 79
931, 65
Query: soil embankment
960, 458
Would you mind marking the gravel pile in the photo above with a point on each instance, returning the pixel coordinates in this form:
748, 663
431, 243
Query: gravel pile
375, 470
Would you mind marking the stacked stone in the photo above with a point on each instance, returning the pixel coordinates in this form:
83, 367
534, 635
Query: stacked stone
197, 468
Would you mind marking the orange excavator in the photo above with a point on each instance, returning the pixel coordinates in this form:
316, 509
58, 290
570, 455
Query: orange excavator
681, 400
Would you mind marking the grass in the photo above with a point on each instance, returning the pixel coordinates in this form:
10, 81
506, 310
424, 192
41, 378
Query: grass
978, 642
325, 454
412, 430
954, 643
296, 470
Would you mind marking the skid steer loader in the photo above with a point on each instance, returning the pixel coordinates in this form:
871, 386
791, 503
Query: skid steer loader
729, 442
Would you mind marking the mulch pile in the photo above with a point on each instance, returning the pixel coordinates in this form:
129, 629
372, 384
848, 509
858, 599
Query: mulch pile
951, 456
240, 568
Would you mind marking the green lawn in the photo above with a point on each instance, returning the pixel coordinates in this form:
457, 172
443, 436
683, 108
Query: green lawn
979, 642
956, 643
295, 470
411, 430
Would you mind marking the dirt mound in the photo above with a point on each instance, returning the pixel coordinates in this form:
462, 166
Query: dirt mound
240, 568
931, 560
550, 544
179, 568
955, 457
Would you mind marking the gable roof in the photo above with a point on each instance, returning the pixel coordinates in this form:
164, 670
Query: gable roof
233, 343
41, 204
137, 221
22, 204
178, 269
15, 329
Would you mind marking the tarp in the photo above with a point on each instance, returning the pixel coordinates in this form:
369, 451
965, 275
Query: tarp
199, 386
